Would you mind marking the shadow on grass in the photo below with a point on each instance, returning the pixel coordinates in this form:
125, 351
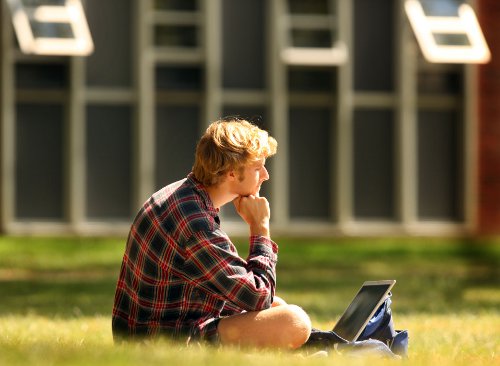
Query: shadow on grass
432, 276
320, 276
65, 295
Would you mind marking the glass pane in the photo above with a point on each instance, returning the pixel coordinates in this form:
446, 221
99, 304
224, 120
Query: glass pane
311, 185
440, 174
243, 44
448, 39
374, 164
41, 76
179, 78
111, 24
374, 45
51, 30
177, 133
312, 38
176, 35
316, 79
183, 5
39, 162
310, 6
441, 8
109, 156
438, 80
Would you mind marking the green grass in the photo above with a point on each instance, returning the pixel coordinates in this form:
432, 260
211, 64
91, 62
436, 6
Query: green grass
57, 293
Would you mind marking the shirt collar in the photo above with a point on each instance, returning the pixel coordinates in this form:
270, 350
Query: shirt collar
201, 190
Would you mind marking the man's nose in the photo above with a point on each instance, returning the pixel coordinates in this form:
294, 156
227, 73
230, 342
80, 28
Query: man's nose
265, 176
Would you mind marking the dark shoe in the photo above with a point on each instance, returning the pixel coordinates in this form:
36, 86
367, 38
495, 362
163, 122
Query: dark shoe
323, 339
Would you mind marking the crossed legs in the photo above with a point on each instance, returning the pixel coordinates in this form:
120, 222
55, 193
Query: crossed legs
281, 326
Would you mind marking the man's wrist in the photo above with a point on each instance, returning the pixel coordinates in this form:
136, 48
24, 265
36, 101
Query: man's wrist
260, 230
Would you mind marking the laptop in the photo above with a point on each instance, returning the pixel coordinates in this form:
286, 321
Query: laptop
362, 308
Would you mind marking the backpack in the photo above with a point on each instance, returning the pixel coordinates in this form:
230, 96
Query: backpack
379, 335
381, 327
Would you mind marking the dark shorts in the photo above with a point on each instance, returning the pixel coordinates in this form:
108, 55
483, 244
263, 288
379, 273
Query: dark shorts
205, 332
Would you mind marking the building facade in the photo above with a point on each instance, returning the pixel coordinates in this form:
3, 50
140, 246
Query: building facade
372, 138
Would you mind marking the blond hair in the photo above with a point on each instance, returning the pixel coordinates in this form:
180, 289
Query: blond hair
229, 144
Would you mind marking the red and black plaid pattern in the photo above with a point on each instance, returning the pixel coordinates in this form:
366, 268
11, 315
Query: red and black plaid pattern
180, 271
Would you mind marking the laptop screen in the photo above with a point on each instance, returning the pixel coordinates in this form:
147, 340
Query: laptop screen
362, 308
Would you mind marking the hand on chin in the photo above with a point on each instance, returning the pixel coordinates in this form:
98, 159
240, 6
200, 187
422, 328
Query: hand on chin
254, 193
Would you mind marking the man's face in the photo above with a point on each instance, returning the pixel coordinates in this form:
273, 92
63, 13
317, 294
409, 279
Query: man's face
250, 178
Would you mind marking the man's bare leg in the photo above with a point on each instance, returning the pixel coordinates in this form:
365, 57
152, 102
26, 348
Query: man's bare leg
278, 301
282, 326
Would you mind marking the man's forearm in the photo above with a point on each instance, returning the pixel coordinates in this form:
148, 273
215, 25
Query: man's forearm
260, 230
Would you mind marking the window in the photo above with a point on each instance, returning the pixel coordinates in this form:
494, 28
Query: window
373, 45
176, 138
111, 63
373, 154
109, 162
440, 182
243, 44
47, 76
310, 185
447, 31
59, 28
310, 35
40, 162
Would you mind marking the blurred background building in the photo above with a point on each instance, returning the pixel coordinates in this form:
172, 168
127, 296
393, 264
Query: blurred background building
373, 138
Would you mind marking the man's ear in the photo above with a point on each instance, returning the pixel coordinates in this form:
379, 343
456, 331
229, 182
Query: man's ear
231, 175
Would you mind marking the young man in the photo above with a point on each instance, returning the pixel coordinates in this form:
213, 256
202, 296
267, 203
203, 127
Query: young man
181, 275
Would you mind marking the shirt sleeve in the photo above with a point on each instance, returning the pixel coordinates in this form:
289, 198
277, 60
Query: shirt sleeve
230, 309
212, 264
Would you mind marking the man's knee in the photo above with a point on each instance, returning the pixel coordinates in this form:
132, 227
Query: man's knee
286, 326
298, 326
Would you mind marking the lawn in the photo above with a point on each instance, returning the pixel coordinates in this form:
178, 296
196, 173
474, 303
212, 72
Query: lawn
57, 294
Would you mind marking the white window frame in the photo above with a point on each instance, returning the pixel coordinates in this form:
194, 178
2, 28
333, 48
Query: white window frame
71, 12
425, 26
336, 54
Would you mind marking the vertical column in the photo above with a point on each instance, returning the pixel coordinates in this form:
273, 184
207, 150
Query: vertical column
7, 121
144, 123
212, 49
406, 128
75, 157
471, 143
470, 133
344, 161
279, 112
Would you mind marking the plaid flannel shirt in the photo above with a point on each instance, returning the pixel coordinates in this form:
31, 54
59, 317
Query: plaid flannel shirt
180, 271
